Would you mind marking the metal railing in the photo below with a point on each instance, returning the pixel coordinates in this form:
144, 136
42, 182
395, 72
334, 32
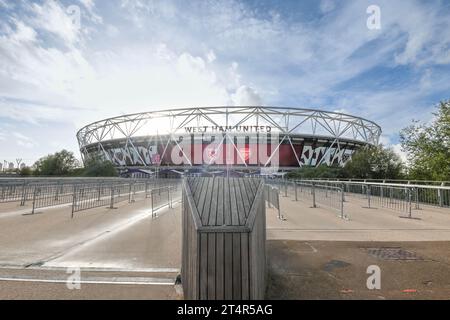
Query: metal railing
317, 194
272, 196
329, 196
389, 181
163, 197
86, 197
81, 193
399, 197
48, 195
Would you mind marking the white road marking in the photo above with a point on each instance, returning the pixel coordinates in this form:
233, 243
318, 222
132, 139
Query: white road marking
144, 281
94, 269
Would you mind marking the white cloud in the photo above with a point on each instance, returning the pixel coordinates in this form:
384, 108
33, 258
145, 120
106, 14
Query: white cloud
327, 5
24, 141
216, 53
246, 96
210, 56
54, 18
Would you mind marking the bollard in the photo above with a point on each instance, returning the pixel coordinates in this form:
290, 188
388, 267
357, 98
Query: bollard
368, 196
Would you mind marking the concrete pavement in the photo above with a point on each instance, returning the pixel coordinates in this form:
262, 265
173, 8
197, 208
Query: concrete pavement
125, 253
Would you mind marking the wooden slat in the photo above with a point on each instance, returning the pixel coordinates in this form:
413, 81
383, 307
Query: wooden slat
237, 286
214, 200
227, 203
228, 266
211, 265
245, 266
239, 201
233, 205
208, 198
196, 191
220, 203
247, 196
202, 197
203, 266
220, 266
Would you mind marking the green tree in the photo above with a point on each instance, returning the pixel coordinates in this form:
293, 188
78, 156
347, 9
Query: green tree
322, 171
428, 146
57, 164
25, 171
98, 167
374, 163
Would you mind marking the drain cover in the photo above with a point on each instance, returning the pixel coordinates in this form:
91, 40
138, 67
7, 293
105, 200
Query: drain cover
334, 264
393, 254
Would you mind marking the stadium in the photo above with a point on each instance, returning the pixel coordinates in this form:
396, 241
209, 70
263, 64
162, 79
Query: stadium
252, 139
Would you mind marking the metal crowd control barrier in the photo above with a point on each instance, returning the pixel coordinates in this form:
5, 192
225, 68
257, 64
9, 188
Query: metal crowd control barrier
272, 196
82, 193
399, 197
90, 196
328, 196
162, 197
12, 192
396, 198
51, 195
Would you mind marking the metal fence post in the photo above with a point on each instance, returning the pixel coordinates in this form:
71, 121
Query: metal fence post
368, 195
146, 188
74, 200
153, 212
296, 193
169, 199
130, 193
111, 205
342, 203
343, 191
24, 194
285, 188
416, 197
314, 194
99, 192
34, 199
409, 202
57, 192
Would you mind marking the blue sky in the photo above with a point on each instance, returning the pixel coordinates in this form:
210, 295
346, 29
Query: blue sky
127, 56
